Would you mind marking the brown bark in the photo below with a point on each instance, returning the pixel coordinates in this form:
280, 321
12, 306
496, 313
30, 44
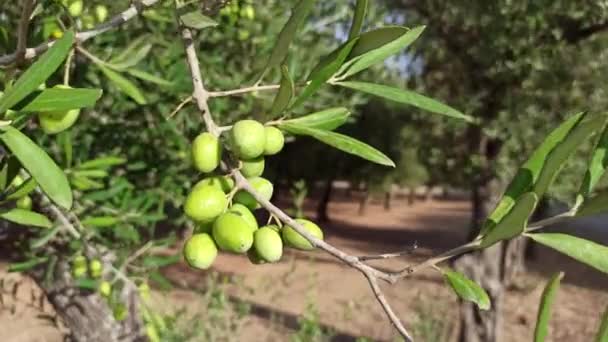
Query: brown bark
86, 313
363, 202
388, 196
411, 196
322, 212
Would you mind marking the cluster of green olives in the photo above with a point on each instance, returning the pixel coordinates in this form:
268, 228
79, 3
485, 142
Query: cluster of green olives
24, 202
224, 215
81, 267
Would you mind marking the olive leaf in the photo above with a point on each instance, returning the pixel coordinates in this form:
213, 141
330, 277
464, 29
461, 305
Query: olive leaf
546, 304
467, 289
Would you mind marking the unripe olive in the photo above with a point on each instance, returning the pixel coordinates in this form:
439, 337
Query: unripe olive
248, 139
205, 203
253, 167
58, 121
295, 240
200, 251
95, 268
247, 12
274, 140
79, 271
260, 185
246, 214
101, 13
144, 291
17, 181
243, 34
79, 261
268, 244
88, 21
24, 203
206, 152
232, 233
120, 312
224, 183
75, 8
105, 289
152, 333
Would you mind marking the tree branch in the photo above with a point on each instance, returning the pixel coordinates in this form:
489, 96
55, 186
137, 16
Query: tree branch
136, 8
24, 21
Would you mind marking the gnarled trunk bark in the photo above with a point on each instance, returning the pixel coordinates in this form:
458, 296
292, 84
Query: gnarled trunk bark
322, 213
85, 313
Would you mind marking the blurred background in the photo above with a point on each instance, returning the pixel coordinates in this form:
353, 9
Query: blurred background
519, 66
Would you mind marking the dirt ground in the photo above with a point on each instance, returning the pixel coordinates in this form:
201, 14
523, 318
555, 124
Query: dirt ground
304, 284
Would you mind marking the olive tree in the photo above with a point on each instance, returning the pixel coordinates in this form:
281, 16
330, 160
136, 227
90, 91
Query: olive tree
82, 245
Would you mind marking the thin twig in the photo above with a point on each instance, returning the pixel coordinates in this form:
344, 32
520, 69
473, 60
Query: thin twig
407, 251
551, 220
243, 90
117, 20
68, 66
395, 321
24, 21
180, 106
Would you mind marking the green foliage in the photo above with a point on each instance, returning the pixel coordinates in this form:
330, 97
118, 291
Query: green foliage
585, 251
546, 305
467, 289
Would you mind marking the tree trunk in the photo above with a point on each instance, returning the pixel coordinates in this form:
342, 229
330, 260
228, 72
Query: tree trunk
388, 196
363, 202
485, 268
322, 212
428, 195
411, 196
86, 313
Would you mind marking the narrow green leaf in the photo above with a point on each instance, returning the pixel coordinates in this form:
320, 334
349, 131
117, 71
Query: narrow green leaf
26, 265
407, 97
341, 142
514, 223
39, 165
196, 20
68, 151
148, 77
26, 218
38, 72
328, 119
86, 283
101, 163
161, 280
99, 221
284, 95
585, 251
597, 166
602, 333
132, 59
324, 71
157, 261
557, 158
377, 45
281, 47
22, 190
467, 289
360, 11
529, 172
544, 310
9, 170
58, 99
597, 204
125, 54
47, 235
124, 84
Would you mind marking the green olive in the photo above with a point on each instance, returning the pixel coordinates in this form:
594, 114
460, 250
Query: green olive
58, 121
246, 214
101, 13
268, 244
232, 233
224, 183
205, 203
95, 268
24, 203
253, 167
105, 289
295, 240
200, 251
206, 152
248, 139
274, 140
260, 185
